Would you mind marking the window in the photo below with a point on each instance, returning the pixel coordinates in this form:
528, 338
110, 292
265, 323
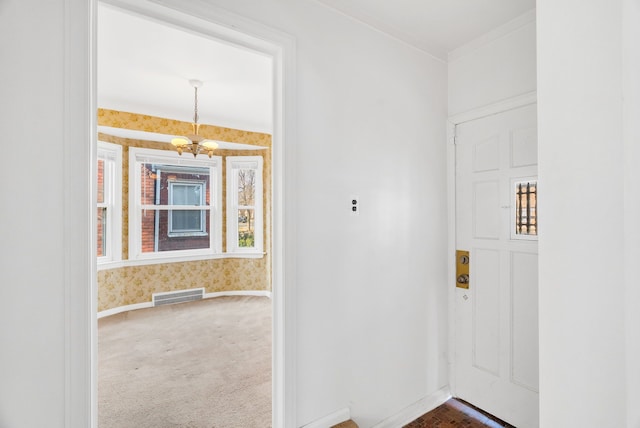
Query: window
109, 201
525, 215
184, 222
244, 204
174, 205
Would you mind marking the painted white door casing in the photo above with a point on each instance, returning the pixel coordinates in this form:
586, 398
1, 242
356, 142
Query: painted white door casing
496, 319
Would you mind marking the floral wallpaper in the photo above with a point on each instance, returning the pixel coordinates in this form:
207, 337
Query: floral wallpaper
135, 284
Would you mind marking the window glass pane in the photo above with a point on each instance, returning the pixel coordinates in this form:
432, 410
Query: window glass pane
246, 228
101, 178
102, 231
526, 193
246, 187
108, 198
186, 194
156, 236
159, 182
186, 221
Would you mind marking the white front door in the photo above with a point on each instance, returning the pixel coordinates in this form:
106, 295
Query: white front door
496, 318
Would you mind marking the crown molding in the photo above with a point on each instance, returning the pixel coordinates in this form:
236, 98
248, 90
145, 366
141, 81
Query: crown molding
493, 35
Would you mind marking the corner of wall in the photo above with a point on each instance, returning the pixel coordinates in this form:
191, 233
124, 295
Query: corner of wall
495, 34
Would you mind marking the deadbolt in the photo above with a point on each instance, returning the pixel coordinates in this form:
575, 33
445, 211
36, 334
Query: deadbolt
462, 269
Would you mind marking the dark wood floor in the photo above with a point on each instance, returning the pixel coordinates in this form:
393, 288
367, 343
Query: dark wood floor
457, 414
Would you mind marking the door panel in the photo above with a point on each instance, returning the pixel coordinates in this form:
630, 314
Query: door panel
485, 266
524, 286
486, 209
486, 155
496, 319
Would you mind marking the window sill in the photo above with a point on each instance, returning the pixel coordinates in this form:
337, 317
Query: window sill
180, 259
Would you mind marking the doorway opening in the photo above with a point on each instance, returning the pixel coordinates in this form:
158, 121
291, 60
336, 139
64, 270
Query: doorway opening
209, 28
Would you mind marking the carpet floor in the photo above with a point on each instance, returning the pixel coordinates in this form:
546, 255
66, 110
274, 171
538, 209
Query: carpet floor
204, 364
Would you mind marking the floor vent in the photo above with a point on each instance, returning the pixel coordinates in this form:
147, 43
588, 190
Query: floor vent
178, 296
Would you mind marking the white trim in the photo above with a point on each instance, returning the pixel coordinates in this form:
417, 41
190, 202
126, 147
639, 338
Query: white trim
415, 410
451, 259
181, 259
331, 419
114, 218
125, 308
79, 201
495, 108
493, 35
202, 207
146, 305
205, 18
214, 165
234, 163
133, 134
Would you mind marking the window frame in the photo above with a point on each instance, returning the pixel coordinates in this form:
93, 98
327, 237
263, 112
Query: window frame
138, 156
513, 212
234, 163
203, 218
111, 154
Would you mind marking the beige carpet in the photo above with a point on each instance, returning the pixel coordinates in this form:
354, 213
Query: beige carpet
204, 364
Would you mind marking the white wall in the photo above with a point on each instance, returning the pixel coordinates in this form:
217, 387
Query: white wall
371, 289
631, 129
34, 267
498, 65
582, 215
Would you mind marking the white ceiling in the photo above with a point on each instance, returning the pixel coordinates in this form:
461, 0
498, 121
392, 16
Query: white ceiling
145, 66
434, 26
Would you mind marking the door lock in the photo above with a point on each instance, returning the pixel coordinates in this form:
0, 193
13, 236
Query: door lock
462, 269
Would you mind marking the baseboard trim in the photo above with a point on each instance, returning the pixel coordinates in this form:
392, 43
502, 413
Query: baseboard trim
135, 306
126, 308
415, 410
257, 293
330, 420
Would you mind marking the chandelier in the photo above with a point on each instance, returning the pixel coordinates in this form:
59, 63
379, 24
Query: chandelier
194, 143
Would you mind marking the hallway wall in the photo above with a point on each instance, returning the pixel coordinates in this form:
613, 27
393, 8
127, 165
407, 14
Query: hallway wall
371, 289
631, 136
583, 351
35, 266
496, 66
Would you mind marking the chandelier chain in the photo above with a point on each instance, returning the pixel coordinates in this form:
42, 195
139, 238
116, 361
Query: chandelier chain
195, 109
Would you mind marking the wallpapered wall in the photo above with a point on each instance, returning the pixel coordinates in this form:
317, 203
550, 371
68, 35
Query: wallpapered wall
135, 284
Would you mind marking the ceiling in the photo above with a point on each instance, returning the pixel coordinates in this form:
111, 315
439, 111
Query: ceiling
434, 26
144, 66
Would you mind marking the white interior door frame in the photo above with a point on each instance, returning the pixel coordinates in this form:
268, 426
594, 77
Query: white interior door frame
220, 24
452, 122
